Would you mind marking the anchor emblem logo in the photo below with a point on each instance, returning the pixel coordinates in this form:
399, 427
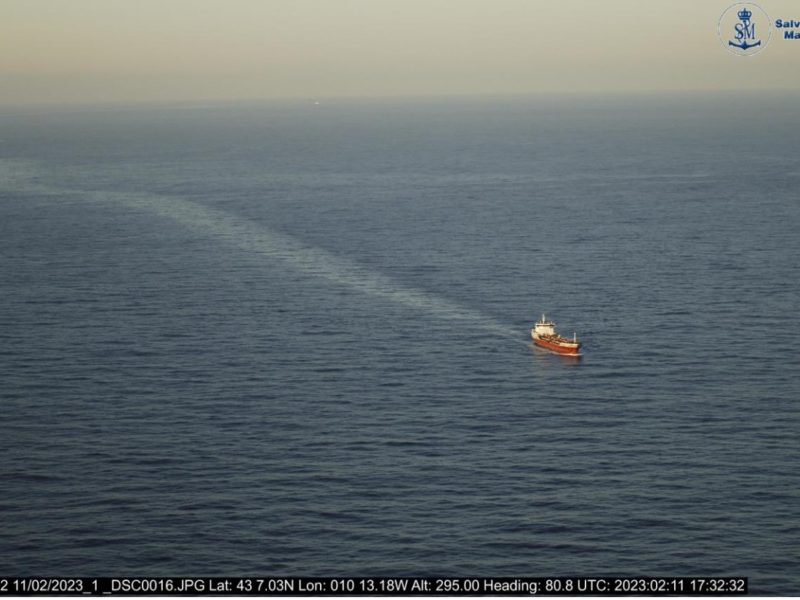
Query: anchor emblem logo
741, 22
745, 30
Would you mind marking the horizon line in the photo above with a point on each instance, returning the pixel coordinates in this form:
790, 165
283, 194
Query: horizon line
36, 105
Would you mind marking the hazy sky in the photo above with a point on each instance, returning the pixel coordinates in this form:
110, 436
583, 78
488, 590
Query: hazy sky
176, 50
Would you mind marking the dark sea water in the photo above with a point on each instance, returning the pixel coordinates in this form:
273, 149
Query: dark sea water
292, 339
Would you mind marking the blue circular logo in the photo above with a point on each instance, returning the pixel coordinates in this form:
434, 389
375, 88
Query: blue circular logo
744, 29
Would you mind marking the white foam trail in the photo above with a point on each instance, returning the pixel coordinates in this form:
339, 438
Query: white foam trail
249, 236
252, 237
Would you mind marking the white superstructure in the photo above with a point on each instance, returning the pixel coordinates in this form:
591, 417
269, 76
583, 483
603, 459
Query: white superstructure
544, 327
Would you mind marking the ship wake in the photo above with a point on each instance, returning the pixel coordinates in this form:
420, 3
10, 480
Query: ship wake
254, 238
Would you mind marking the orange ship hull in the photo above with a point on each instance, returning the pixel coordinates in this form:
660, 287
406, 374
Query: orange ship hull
569, 348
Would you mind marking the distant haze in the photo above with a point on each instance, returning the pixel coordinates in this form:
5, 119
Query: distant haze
54, 51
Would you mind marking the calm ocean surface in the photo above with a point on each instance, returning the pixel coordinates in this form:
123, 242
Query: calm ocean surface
292, 339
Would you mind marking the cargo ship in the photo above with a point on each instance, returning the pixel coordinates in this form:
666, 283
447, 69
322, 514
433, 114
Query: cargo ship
544, 335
